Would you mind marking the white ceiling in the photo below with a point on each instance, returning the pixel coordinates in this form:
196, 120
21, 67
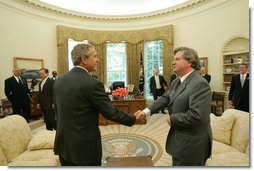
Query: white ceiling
114, 7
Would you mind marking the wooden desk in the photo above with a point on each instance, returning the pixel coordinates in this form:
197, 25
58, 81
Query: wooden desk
128, 106
130, 161
34, 101
7, 106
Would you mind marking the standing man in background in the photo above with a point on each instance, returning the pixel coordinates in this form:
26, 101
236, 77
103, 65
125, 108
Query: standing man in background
172, 77
46, 99
17, 92
54, 75
158, 85
189, 140
204, 74
79, 99
239, 89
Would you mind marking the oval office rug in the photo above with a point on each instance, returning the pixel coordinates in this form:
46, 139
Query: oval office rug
129, 145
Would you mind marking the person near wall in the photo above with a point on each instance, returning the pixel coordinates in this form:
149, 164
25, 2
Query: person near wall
54, 75
239, 89
17, 92
158, 85
141, 84
46, 99
79, 99
204, 74
189, 140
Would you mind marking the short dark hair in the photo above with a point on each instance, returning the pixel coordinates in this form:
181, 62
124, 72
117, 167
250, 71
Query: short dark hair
45, 70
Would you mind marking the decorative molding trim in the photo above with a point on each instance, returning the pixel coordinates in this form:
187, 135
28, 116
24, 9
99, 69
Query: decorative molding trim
172, 10
236, 44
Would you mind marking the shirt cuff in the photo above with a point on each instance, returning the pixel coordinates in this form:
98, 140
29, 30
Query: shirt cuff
147, 112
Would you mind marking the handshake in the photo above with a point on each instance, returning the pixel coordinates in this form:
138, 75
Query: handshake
140, 114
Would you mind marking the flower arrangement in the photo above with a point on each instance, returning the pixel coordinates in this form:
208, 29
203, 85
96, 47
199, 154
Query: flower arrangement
120, 92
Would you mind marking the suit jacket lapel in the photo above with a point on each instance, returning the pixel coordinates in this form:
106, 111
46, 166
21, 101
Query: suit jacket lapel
181, 87
14, 80
45, 84
247, 77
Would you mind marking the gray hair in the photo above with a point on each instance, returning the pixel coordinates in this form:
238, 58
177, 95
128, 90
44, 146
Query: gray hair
80, 50
190, 55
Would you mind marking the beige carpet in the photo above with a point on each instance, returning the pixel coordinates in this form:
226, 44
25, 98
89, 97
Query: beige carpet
155, 130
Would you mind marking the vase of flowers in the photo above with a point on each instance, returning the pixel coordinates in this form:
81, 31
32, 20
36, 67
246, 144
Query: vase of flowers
120, 93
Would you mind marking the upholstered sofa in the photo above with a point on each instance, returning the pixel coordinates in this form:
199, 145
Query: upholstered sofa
230, 139
18, 147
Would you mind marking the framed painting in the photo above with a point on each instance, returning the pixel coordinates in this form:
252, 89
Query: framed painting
29, 67
204, 62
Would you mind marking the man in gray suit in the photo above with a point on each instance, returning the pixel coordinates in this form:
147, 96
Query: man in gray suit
80, 98
189, 140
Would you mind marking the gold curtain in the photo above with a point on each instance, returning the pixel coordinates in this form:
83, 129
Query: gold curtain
135, 42
62, 57
133, 63
101, 52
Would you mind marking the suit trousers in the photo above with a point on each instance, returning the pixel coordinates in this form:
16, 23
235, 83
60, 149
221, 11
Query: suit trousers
70, 163
49, 119
158, 92
176, 162
22, 109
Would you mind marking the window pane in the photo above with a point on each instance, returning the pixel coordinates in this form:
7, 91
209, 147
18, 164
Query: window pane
116, 62
153, 58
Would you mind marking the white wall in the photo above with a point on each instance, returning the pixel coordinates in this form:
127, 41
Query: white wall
209, 32
22, 36
205, 29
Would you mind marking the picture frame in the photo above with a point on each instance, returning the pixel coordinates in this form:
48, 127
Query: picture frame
29, 67
204, 62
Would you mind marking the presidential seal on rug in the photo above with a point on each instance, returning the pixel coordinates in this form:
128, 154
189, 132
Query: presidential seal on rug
129, 145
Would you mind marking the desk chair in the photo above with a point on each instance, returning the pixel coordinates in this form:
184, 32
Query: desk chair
217, 102
6, 107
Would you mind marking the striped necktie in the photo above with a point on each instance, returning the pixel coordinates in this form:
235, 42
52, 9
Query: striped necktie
242, 80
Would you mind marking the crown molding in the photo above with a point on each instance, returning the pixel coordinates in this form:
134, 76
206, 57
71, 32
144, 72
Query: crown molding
172, 10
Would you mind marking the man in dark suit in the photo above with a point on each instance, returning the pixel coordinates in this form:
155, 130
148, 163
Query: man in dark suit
46, 99
189, 140
173, 77
17, 92
79, 99
54, 75
239, 89
204, 74
158, 85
